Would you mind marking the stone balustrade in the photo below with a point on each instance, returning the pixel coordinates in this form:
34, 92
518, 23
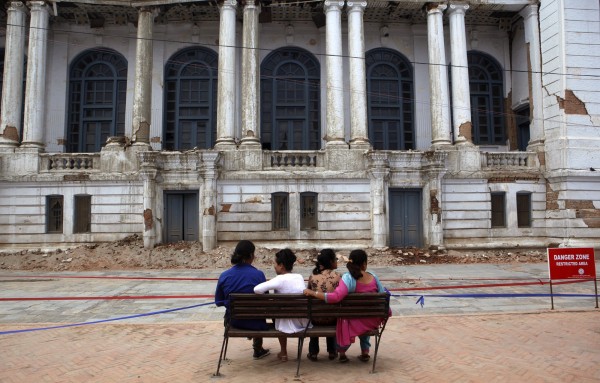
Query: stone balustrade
292, 159
508, 160
70, 162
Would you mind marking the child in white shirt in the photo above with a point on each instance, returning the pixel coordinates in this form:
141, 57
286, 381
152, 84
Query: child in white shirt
285, 282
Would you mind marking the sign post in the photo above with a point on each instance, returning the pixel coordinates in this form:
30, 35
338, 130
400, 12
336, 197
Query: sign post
572, 263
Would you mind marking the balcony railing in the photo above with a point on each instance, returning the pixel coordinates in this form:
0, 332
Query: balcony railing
71, 162
292, 159
508, 159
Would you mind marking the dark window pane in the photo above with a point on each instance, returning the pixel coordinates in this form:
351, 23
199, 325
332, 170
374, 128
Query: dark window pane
524, 209
308, 211
498, 209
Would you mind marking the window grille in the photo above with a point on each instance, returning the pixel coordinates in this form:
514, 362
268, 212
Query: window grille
54, 214
280, 211
97, 96
308, 211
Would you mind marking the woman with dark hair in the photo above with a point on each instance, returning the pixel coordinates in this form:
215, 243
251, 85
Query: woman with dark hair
241, 278
285, 282
356, 280
325, 279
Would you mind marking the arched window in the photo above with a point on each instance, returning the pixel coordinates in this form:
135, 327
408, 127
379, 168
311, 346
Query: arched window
390, 100
487, 99
190, 100
290, 102
97, 93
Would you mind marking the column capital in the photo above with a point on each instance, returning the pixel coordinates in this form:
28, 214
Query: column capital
250, 3
225, 4
16, 6
356, 6
458, 8
333, 5
433, 8
529, 11
36, 4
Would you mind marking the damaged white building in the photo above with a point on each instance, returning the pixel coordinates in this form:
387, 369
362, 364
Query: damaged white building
438, 124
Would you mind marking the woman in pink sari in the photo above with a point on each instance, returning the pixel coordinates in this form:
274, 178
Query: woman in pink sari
356, 280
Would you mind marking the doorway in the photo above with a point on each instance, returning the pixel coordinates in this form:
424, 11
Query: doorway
405, 215
181, 212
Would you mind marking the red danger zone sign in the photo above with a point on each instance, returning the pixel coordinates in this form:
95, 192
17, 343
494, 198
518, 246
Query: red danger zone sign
572, 263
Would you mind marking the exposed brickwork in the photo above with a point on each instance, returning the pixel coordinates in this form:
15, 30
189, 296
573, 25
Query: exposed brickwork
571, 104
148, 220
225, 207
551, 198
10, 133
466, 130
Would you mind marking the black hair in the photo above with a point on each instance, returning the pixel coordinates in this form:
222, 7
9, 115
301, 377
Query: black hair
356, 259
244, 251
286, 258
325, 261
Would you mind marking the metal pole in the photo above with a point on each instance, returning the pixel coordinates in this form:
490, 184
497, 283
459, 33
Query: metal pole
551, 295
596, 289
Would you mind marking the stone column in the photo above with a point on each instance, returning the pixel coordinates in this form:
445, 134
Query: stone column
35, 88
379, 174
250, 77
359, 136
142, 91
335, 76
461, 97
434, 170
536, 101
209, 200
148, 173
438, 77
226, 85
12, 86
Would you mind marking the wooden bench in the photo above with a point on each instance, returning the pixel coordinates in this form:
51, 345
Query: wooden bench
274, 306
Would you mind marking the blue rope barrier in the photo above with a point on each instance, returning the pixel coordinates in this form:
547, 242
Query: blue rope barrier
104, 320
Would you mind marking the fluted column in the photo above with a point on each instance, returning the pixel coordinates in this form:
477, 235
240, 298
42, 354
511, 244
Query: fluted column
142, 92
250, 76
335, 76
12, 85
359, 136
461, 98
35, 88
536, 101
438, 77
226, 85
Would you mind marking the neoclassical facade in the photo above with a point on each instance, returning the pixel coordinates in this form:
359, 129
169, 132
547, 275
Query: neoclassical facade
404, 123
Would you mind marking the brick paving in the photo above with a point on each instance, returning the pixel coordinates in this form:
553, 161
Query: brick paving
551, 346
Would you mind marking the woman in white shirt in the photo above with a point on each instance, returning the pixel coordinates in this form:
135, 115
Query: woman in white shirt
285, 282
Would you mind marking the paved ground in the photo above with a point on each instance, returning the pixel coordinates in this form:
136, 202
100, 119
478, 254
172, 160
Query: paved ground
452, 338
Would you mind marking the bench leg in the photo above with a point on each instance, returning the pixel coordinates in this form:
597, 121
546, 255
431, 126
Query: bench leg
377, 339
222, 354
300, 344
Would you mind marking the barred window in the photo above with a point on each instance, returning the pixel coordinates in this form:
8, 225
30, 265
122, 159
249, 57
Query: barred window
280, 211
83, 214
54, 214
308, 211
498, 209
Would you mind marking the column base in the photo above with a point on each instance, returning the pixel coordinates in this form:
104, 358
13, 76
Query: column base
31, 147
225, 144
250, 143
441, 145
8, 143
336, 144
360, 144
